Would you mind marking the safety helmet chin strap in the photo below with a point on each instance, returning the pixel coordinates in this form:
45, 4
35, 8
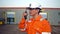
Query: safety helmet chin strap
39, 10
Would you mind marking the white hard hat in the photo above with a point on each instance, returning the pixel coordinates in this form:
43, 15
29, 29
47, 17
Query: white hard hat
34, 5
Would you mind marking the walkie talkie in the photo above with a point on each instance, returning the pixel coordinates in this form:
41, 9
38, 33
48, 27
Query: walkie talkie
25, 15
26, 11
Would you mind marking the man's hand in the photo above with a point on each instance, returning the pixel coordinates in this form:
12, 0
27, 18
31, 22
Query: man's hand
46, 32
24, 14
22, 30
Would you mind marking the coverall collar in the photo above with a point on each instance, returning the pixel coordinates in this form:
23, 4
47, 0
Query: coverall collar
37, 18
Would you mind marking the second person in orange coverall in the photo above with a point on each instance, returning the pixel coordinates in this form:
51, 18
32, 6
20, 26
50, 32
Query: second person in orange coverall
36, 25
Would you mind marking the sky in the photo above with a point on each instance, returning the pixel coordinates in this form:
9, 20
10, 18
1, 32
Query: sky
25, 3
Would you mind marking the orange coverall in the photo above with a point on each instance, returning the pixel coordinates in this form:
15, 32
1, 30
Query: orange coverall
35, 25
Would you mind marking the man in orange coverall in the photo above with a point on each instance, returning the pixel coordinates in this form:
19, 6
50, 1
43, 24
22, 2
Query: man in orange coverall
37, 24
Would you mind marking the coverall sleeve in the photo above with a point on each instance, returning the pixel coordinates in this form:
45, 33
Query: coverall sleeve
46, 26
21, 24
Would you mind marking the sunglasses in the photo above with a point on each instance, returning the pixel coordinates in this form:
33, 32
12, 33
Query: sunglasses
34, 8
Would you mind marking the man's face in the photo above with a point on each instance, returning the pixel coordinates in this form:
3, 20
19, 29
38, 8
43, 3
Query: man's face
33, 12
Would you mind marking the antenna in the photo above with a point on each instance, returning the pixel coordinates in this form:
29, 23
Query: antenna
30, 5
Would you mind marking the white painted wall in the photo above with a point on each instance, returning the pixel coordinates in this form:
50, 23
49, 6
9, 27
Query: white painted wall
25, 3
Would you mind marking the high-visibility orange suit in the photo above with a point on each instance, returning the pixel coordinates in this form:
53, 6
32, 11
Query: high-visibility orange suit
35, 25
